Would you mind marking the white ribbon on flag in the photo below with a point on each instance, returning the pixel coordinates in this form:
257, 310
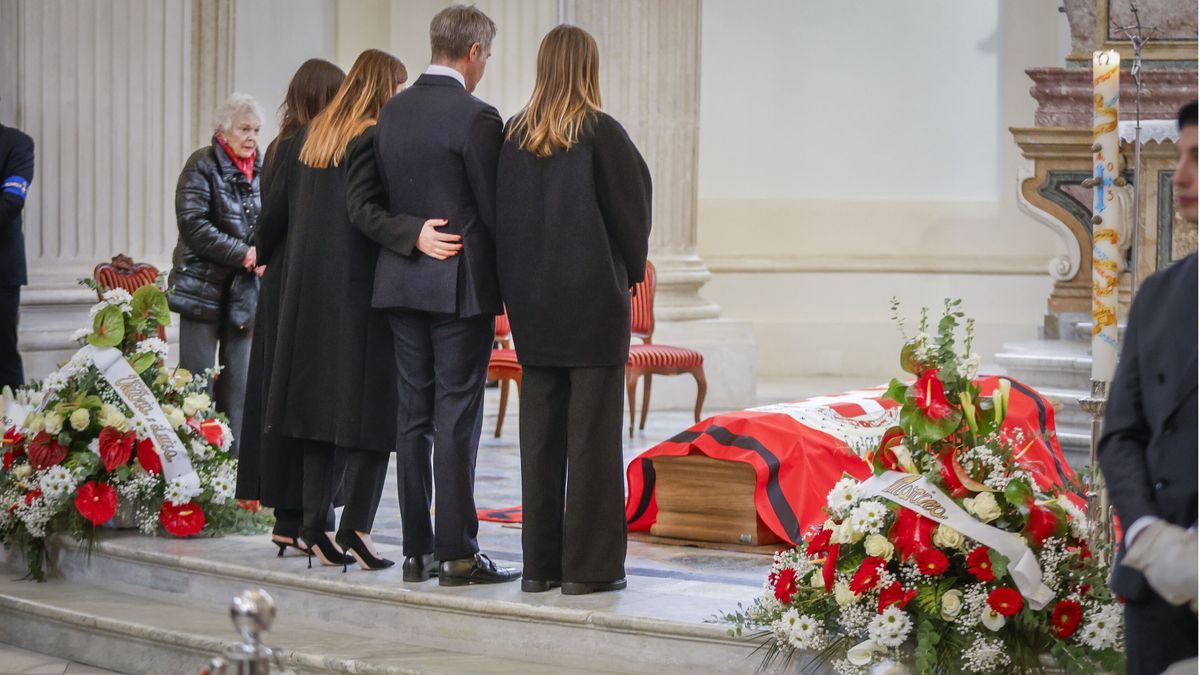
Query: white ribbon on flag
915, 493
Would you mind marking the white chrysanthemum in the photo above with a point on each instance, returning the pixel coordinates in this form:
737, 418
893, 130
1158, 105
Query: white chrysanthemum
200, 450
153, 345
1103, 629
868, 516
890, 627
223, 485
177, 492
843, 495
81, 334
1076, 518
226, 436
807, 633
56, 482
119, 297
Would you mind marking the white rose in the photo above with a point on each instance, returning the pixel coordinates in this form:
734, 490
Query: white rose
983, 506
844, 596
195, 403
846, 534
23, 471
175, 416
947, 537
952, 604
992, 619
54, 423
111, 416
35, 422
80, 419
878, 545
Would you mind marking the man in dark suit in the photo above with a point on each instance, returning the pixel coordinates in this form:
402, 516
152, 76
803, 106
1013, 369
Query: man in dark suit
1149, 447
16, 172
437, 149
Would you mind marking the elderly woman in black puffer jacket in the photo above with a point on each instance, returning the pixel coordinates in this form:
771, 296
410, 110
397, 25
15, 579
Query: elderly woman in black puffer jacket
214, 275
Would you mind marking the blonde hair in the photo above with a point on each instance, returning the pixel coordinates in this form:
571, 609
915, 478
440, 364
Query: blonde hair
371, 82
567, 90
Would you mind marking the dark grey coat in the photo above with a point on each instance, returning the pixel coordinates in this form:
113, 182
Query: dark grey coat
571, 239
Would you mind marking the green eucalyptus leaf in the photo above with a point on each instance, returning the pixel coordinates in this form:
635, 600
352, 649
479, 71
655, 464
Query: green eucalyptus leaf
999, 563
87, 462
897, 391
108, 328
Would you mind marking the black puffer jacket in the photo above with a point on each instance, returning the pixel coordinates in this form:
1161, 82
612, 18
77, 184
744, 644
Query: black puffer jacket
216, 208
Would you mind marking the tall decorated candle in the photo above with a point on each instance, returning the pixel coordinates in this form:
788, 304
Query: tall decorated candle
1106, 79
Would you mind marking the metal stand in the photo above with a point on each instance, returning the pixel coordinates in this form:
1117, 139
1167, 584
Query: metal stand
252, 613
1099, 511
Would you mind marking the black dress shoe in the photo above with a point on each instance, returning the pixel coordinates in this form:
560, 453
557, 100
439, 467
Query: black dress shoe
537, 586
477, 570
585, 587
420, 567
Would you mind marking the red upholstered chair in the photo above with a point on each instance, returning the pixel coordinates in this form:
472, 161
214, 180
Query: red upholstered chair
648, 359
503, 367
124, 273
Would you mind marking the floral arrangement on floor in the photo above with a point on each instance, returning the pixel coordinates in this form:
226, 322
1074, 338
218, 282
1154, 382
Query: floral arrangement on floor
75, 456
888, 578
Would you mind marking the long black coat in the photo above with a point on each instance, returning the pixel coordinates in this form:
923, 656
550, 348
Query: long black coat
331, 377
16, 173
571, 239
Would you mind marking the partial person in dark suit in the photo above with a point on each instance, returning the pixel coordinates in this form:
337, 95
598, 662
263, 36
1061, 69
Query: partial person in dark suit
16, 172
311, 89
437, 147
328, 394
573, 220
1148, 451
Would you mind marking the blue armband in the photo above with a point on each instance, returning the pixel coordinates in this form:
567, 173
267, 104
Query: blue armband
15, 185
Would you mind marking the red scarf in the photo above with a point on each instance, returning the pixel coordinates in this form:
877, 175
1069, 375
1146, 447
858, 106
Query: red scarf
246, 165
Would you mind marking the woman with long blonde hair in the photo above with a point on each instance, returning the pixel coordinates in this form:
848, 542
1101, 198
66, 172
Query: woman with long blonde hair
572, 230
327, 393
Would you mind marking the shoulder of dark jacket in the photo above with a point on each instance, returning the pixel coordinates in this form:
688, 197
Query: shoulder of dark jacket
15, 138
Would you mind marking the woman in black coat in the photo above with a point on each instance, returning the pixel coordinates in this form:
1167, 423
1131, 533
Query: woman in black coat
572, 224
311, 89
328, 395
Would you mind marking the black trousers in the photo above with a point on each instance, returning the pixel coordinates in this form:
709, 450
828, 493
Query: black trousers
359, 473
571, 457
1157, 634
12, 373
441, 365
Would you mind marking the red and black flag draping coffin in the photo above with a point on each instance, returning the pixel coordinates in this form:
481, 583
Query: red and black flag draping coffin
799, 450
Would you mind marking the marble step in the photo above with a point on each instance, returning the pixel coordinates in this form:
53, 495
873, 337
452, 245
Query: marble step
1083, 331
146, 632
654, 626
1048, 364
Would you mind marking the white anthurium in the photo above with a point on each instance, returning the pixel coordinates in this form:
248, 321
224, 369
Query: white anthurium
863, 653
991, 619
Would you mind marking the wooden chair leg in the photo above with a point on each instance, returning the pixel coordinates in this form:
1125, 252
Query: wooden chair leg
645, 400
631, 378
503, 405
701, 389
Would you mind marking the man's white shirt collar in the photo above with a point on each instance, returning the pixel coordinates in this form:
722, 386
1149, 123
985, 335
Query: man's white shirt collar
446, 71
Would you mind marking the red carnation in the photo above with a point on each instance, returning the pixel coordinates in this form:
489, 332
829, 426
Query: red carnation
979, 563
911, 533
867, 575
148, 456
212, 432
785, 585
931, 396
96, 501
181, 521
115, 447
1065, 618
1042, 523
895, 595
932, 562
819, 543
1005, 600
45, 451
32, 495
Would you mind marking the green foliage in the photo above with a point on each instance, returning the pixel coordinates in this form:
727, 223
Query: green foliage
1018, 492
897, 391
917, 424
86, 463
926, 652
108, 328
999, 563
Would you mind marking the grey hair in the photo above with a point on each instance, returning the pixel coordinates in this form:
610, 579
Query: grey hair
454, 29
235, 105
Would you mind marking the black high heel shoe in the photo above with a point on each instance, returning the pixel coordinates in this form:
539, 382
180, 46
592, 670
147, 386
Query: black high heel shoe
350, 541
319, 544
293, 542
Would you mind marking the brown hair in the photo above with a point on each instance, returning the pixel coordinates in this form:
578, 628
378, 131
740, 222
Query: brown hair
371, 82
311, 89
454, 29
567, 89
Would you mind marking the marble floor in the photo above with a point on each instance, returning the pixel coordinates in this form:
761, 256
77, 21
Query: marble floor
17, 661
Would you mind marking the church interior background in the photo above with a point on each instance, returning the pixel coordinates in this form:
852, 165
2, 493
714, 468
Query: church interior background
811, 161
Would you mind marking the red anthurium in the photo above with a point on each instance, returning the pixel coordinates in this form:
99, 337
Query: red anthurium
950, 476
932, 562
1005, 600
980, 564
867, 575
96, 501
786, 585
931, 396
212, 432
819, 543
830, 567
12, 437
1042, 523
32, 495
181, 521
895, 595
115, 447
1065, 619
885, 455
10, 457
45, 451
148, 456
911, 533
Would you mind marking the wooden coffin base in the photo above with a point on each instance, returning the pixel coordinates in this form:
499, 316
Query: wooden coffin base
707, 500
